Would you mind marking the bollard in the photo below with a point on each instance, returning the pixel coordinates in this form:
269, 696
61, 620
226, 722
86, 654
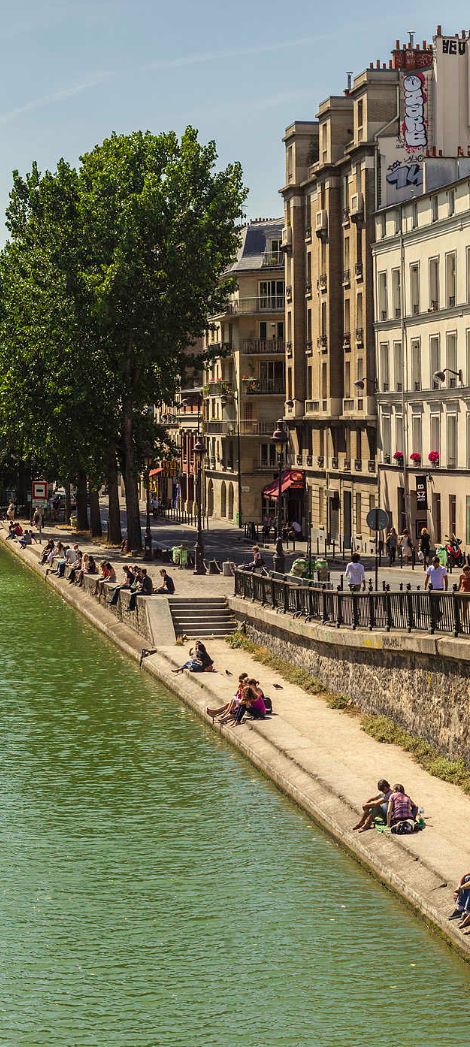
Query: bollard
409, 607
456, 610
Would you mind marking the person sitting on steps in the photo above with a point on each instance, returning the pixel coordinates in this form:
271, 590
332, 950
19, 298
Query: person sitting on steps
376, 807
199, 660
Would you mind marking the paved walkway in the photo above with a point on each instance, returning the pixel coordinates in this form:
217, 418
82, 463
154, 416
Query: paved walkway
323, 759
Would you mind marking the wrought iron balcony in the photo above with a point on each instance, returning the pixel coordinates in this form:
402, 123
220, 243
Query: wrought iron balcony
258, 346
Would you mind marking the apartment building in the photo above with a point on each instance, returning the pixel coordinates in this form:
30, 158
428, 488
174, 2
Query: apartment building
422, 279
244, 388
383, 141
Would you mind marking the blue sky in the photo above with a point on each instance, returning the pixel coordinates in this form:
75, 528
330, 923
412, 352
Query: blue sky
74, 70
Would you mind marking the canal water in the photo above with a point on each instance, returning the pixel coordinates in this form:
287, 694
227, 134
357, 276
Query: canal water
156, 890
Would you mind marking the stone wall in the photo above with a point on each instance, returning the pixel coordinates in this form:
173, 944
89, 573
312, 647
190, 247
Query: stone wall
422, 683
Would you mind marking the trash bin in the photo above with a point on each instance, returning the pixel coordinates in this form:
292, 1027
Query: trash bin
441, 553
176, 555
299, 567
321, 567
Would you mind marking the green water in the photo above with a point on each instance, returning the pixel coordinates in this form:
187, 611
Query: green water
155, 890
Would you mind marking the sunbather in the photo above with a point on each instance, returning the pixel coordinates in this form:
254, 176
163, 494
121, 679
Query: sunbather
462, 903
228, 711
376, 807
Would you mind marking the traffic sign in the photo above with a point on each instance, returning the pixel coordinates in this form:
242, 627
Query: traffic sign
377, 519
39, 490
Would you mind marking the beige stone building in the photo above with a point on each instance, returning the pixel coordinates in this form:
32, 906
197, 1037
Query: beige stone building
367, 148
244, 389
422, 277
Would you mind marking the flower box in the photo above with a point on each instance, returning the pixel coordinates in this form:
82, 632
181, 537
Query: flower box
415, 457
433, 457
398, 456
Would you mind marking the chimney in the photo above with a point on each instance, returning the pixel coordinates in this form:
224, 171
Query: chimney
371, 65
411, 34
377, 63
397, 45
349, 76
390, 64
439, 30
425, 46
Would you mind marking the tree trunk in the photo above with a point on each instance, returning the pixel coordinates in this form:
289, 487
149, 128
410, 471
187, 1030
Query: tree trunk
114, 509
95, 514
134, 533
82, 507
68, 502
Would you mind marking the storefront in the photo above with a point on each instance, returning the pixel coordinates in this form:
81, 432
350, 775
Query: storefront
292, 497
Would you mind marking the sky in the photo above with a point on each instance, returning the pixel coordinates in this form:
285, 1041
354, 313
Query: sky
72, 71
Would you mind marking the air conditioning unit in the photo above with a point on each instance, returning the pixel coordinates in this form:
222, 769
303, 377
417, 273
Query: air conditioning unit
321, 223
286, 238
356, 210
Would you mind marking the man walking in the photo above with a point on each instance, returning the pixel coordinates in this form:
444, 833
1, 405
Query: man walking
436, 576
355, 574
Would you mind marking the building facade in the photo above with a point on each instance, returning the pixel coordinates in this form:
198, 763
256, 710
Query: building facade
422, 280
244, 388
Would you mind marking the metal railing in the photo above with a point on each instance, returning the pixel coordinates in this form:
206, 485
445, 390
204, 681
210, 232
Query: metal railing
406, 609
252, 346
262, 304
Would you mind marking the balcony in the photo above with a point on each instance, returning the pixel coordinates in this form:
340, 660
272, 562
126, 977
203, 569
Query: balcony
414, 309
251, 428
312, 406
359, 271
308, 234
358, 465
346, 277
272, 260
322, 342
346, 340
266, 386
371, 465
451, 301
348, 405
345, 215
288, 294
308, 290
335, 463
347, 463
308, 347
322, 282
263, 304
216, 388
289, 350
359, 336
261, 346
433, 307
320, 461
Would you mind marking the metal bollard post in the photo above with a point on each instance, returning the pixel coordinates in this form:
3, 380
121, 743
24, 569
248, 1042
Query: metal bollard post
409, 607
456, 610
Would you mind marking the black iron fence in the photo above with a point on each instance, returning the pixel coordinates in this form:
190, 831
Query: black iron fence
181, 516
406, 609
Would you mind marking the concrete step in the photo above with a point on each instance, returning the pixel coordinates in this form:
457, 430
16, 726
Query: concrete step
201, 616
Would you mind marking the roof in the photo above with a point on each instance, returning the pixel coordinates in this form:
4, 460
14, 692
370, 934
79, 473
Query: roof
254, 242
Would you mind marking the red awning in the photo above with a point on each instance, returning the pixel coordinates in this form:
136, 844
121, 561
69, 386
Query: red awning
154, 472
291, 478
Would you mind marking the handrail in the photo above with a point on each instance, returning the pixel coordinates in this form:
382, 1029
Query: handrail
406, 609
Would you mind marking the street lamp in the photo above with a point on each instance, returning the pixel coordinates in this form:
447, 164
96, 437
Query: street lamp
440, 376
360, 383
199, 452
280, 439
224, 400
148, 458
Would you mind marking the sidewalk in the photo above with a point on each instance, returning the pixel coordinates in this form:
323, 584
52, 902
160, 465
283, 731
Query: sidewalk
323, 760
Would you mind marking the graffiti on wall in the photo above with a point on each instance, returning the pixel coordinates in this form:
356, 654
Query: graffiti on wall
402, 175
414, 120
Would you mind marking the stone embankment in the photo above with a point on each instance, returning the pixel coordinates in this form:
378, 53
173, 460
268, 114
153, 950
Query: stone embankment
321, 759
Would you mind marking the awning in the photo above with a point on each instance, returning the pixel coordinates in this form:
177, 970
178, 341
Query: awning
154, 472
291, 478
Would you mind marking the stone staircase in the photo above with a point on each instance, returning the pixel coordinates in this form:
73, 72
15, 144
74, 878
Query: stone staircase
202, 616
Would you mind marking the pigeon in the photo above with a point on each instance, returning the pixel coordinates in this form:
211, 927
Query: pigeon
228, 673
278, 686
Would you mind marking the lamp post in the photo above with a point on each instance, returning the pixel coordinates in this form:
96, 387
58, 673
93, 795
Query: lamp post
224, 400
148, 457
440, 376
280, 438
199, 452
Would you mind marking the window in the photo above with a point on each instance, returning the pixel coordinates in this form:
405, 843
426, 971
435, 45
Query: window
371, 507
451, 441
323, 319
384, 367
451, 359
399, 433
450, 202
383, 306
324, 143
347, 379
358, 513
452, 514
468, 441
414, 215
396, 293
324, 381
415, 364
347, 316
397, 366
386, 434
414, 288
434, 284
359, 311
321, 506
434, 208
346, 254
360, 120
435, 433
417, 433
434, 360
290, 163
309, 383
468, 272
309, 326
271, 294
358, 445
451, 266
468, 357
268, 456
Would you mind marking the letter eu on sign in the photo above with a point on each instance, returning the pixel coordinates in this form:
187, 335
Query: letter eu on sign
421, 492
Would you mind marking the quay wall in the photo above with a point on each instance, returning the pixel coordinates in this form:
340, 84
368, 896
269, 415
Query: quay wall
420, 682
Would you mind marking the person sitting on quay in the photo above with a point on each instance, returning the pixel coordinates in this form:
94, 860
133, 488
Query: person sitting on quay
227, 712
15, 530
355, 574
142, 586
71, 554
252, 703
107, 574
47, 549
89, 566
257, 561
27, 538
167, 587
199, 660
401, 811
76, 567
129, 581
376, 807
462, 903
57, 551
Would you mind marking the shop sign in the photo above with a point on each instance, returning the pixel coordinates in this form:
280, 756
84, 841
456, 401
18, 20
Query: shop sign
421, 493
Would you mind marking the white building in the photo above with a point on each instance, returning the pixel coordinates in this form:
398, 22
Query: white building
422, 312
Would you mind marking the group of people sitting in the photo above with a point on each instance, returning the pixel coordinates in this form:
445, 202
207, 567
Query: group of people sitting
249, 700
391, 808
139, 583
57, 557
23, 537
462, 904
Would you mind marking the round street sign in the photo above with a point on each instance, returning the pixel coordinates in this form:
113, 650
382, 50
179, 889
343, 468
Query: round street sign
377, 519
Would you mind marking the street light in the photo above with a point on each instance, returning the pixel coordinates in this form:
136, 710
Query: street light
199, 452
360, 383
148, 458
224, 400
280, 439
440, 376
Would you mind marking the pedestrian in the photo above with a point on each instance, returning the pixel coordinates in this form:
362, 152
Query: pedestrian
464, 587
406, 546
425, 546
355, 574
11, 511
392, 543
436, 576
